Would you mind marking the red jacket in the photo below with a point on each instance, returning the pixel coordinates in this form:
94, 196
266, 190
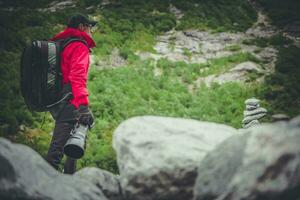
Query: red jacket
75, 61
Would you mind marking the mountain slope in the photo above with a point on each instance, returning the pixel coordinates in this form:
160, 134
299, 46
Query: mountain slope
156, 85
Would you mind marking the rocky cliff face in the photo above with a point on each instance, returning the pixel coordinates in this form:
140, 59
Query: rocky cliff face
169, 158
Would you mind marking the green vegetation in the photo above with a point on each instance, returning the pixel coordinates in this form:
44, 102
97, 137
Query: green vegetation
282, 12
129, 25
119, 94
190, 72
234, 47
276, 40
187, 53
133, 90
282, 89
132, 26
24, 3
216, 15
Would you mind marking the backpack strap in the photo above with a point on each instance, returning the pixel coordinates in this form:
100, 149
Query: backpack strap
68, 41
66, 91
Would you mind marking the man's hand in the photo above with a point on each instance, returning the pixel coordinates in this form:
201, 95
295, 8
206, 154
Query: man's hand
86, 116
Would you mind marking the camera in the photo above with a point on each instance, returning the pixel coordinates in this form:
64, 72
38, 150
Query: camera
75, 146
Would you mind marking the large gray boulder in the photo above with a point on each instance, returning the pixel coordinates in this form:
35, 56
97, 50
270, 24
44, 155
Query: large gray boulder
107, 182
158, 156
24, 174
262, 163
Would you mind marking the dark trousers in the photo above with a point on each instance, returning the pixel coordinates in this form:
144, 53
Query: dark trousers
65, 117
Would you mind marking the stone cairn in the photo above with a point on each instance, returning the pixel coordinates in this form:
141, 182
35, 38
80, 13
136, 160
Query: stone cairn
253, 112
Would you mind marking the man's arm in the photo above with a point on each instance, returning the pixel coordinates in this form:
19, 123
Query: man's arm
78, 79
79, 64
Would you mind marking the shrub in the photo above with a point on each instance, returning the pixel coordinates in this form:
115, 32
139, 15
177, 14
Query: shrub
282, 90
218, 15
282, 12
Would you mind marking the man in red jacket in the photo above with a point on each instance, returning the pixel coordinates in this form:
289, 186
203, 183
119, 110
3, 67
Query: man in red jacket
74, 65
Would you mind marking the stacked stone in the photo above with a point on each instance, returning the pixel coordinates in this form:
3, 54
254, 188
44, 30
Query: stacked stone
253, 112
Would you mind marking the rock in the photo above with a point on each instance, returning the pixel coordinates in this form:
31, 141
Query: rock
220, 79
251, 123
162, 48
158, 156
58, 5
254, 112
248, 119
268, 55
262, 27
107, 182
218, 167
295, 121
24, 174
249, 107
22, 128
114, 60
236, 74
246, 67
178, 13
280, 117
202, 45
261, 163
90, 8
211, 47
252, 101
105, 2
293, 28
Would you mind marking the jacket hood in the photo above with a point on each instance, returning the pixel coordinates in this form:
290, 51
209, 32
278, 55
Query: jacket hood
73, 32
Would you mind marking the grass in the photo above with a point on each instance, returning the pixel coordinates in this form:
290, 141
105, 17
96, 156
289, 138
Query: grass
234, 47
187, 53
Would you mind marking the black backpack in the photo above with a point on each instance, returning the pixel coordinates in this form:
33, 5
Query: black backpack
41, 76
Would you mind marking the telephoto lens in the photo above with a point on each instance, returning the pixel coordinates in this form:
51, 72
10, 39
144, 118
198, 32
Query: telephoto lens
75, 146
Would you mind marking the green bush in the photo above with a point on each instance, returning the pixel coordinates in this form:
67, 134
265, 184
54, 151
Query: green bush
25, 3
235, 47
218, 15
275, 40
282, 12
90, 2
282, 90
13, 110
119, 94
